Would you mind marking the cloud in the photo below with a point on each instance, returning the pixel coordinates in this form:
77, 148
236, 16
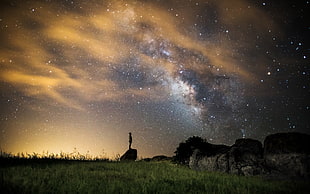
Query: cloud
71, 56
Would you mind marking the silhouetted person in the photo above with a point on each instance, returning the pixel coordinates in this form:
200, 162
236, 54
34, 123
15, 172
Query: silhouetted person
130, 140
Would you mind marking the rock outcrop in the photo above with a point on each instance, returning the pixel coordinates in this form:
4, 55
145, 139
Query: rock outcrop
186, 149
158, 158
161, 158
216, 162
243, 158
129, 155
285, 154
288, 154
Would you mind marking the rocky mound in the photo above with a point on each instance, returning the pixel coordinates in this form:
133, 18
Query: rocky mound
288, 154
129, 155
284, 154
282, 143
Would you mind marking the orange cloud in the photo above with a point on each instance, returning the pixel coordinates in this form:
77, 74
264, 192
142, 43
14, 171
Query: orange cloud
49, 52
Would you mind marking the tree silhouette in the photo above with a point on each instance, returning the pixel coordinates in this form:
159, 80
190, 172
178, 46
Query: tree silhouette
185, 150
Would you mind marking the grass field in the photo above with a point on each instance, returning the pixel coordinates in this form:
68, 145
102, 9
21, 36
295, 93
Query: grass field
49, 176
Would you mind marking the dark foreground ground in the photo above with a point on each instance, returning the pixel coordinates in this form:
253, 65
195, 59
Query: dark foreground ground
61, 176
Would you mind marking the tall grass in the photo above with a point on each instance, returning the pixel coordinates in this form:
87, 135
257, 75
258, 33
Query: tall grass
130, 177
74, 155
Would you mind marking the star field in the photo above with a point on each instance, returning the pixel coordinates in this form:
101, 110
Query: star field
82, 74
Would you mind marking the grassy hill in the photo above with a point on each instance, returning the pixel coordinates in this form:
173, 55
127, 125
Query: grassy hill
61, 176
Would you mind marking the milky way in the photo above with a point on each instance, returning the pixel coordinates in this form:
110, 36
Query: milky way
82, 74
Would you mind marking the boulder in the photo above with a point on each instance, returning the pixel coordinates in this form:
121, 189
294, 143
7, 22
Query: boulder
288, 165
195, 158
246, 157
130, 154
243, 158
146, 159
285, 155
186, 150
288, 154
161, 158
211, 157
284, 143
218, 162
209, 162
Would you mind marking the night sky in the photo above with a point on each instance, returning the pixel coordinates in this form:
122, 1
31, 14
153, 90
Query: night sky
83, 74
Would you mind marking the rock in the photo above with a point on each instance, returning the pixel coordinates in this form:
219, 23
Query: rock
288, 165
194, 158
214, 163
246, 157
218, 149
222, 162
283, 143
146, 159
249, 146
158, 158
211, 162
243, 158
161, 158
130, 154
203, 158
287, 154
186, 150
